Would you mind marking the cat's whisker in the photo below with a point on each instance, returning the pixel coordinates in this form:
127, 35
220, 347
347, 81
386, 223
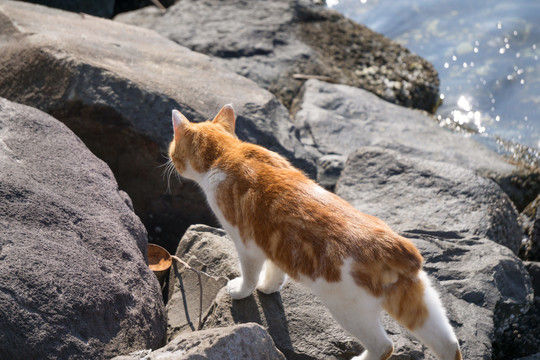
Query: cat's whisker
176, 174
167, 172
170, 171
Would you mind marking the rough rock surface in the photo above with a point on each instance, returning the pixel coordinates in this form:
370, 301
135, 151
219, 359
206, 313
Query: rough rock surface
114, 85
211, 247
239, 342
74, 281
533, 267
337, 119
184, 304
272, 41
522, 337
329, 169
530, 219
532, 357
524, 334
452, 216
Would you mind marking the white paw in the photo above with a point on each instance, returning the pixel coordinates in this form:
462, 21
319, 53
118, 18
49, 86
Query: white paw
237, 289
269, 287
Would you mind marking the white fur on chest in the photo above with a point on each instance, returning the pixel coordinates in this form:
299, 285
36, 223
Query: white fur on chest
209, 182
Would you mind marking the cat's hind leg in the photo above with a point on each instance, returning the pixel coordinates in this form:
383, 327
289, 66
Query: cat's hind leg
271, 278
251, 262
416, 305
359, 313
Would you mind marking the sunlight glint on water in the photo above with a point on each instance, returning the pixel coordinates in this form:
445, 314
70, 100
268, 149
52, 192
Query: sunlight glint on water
485, 52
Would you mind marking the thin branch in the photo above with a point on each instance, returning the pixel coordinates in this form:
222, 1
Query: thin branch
186, 265
159, 5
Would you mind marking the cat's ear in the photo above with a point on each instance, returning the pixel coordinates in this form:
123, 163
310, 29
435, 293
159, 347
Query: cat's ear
180, 123
226, 118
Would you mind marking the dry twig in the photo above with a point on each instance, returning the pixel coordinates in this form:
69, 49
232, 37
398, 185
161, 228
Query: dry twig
186, 265
159, 5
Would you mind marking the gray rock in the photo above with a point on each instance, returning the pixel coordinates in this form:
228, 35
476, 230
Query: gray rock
74, 279
533, 267
184, 305
114, 85
523, 335
338, 119
452, 216
329, 169
214, 251
530, 219
240, 342
271, 42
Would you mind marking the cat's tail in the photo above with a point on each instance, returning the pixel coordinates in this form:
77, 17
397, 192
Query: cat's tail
414, 303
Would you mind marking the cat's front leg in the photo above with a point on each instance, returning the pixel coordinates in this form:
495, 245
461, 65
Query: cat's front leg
251, 262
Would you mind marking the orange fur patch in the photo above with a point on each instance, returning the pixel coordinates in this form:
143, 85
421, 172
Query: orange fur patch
404, 301
458, 355
301, 227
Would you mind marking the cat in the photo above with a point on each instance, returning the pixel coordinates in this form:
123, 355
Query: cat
283, 223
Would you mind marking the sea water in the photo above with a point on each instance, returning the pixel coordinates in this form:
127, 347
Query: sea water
486, 53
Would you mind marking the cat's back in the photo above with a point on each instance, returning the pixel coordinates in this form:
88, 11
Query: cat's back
289, 215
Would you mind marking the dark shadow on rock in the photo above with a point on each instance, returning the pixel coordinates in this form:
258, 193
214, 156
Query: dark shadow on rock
184, 297
270, 305
136, 162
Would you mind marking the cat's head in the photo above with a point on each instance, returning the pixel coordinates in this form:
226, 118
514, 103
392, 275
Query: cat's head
197, 145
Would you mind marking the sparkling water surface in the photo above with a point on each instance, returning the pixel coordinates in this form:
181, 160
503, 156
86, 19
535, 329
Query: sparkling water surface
486, 53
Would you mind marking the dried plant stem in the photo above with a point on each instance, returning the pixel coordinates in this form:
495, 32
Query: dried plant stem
159, 5
186, 265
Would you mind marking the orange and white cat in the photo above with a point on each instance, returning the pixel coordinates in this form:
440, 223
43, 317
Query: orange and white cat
282, 223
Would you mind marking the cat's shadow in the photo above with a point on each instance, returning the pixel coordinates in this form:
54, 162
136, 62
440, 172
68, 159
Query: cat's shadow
267, 310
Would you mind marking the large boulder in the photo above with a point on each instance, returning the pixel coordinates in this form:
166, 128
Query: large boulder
338, 119
238, 342
530, 219
115, 85
74, 279
454, 217
279, 43
334, 120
